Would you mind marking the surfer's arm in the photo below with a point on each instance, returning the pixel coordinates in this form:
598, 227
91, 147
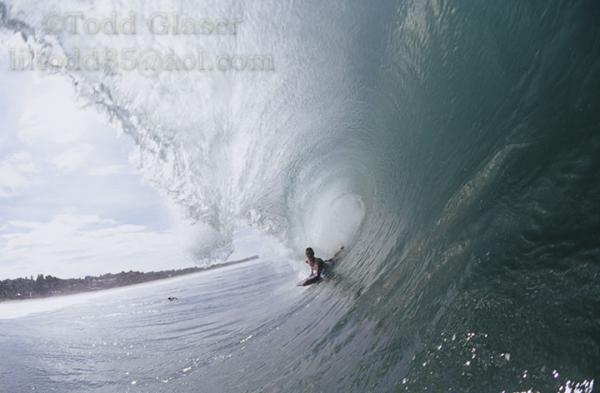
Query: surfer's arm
308, 263
319, 267
337, 254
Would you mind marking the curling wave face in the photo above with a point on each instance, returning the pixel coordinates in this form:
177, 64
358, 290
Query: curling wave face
453, 148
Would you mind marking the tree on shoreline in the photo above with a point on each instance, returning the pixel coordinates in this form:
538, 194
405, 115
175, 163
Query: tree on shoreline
43, 286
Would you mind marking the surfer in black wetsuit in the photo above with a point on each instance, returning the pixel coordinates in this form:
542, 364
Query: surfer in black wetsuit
317, 265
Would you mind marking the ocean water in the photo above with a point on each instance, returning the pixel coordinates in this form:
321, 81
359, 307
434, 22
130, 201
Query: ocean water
451, 146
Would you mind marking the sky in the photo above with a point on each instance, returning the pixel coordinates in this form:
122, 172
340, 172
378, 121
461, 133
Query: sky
72, 203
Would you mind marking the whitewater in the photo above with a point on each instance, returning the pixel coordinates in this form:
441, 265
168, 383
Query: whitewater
452, 147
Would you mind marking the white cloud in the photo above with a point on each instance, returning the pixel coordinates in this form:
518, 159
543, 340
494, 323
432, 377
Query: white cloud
59, 157
16, 173
72, 244
108, 170
52, 114
73, 158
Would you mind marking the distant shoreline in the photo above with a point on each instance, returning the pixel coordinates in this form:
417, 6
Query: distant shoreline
49, 286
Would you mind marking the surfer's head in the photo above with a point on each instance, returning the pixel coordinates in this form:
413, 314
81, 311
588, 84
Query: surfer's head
309, 252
